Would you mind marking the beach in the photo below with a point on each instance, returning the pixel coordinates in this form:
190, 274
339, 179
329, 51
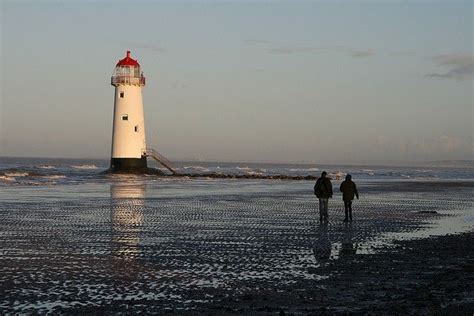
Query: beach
127, 244
202, 158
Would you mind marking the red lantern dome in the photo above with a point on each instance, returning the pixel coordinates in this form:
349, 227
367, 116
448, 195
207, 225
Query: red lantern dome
128, 61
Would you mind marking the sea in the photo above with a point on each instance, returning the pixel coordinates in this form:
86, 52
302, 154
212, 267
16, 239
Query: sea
54, 171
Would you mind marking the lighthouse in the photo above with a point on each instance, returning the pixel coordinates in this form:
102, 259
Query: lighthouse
129, 151
128, 136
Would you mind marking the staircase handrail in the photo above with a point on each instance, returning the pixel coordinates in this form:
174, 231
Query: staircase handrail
150, 152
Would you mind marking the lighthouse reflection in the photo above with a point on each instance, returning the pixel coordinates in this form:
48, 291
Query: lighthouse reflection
127, 205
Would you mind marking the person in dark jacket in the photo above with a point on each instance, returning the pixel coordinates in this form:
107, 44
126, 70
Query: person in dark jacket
348, 189
323, 191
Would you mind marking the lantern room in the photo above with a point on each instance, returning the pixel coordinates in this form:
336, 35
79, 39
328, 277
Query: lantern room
127, 72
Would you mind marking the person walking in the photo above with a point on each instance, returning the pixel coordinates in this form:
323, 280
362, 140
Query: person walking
323, 191
348, 189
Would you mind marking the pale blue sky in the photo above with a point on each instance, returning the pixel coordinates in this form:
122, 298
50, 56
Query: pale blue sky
276, 81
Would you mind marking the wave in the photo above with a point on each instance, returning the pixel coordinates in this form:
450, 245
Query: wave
254, 173
337, 175
243, 168
16, 174
55, 176
200, 168
47, 167
368, 172
25, 175
303, 169
87, 167
7, 178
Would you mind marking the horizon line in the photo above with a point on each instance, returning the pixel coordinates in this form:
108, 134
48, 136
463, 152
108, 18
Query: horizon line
392, 163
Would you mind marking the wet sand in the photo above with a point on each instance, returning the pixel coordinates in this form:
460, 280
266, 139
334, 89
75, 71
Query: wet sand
433, 276
232, 247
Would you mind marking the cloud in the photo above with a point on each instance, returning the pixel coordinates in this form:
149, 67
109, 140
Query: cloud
447, 143
456, 60
401, 53
353, 52
458, 67
291, 50
439, 146
154, 48
287, 49
147, 46
257, 41
362, 53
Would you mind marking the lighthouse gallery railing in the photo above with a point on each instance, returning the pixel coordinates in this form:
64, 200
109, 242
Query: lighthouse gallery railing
127, 80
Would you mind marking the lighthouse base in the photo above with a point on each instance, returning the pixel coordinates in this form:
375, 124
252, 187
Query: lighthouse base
132, 166
129, 165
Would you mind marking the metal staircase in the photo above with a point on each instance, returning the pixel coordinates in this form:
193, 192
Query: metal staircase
149, 152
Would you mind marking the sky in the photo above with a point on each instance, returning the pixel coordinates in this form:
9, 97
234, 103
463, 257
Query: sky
280, 81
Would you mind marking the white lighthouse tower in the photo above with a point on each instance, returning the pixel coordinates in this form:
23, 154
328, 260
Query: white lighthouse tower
129, 149
128, 136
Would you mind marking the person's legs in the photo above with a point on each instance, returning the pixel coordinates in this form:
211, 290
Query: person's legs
350, 210
325, 208
346, 210
321, 210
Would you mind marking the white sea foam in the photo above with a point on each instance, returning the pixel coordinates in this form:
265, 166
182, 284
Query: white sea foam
55, 176
84, 166
47, 167
36, 183
243, 168
7, 178
16, 174
337, 175
369, 172
303, 169
200, 168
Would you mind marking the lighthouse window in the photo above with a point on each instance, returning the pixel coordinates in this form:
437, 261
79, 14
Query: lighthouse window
121, 94
136, 128
125, 117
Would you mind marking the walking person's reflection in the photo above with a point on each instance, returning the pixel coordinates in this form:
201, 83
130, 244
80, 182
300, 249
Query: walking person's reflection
348, 248
322, 247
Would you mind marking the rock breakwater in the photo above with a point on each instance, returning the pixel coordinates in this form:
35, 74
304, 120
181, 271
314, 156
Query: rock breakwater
244, 176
